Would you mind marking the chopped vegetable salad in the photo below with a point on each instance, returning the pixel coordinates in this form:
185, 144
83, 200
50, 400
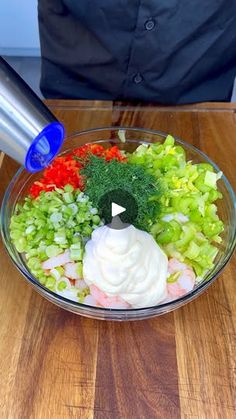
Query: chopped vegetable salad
177, 202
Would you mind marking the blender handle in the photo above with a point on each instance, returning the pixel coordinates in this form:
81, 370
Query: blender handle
29, 132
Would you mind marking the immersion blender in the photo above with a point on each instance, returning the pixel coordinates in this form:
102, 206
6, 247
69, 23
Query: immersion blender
29, 132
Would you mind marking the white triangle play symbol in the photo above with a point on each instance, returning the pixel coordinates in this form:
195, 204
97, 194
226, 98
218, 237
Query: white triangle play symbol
116, 209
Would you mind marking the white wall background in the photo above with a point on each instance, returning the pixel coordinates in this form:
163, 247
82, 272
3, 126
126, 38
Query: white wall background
19, 28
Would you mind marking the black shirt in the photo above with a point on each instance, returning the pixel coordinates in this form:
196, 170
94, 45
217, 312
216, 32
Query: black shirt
165, 51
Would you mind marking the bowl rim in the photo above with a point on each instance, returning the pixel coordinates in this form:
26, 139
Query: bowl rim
160, 307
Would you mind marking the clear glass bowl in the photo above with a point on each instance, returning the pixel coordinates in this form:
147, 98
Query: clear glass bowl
21, 182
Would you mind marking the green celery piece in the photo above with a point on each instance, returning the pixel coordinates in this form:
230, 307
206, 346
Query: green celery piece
188, 234
169, 140
211, 179
140, 150
192, 251
214, 195
200, 183
189, 190
203, 167
212, 228
171, 251
196, 217
197, 268
169, 162
180, 151
170, 233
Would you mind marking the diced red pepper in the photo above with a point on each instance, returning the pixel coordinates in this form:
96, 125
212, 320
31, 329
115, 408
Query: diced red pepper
65, 170
114, 153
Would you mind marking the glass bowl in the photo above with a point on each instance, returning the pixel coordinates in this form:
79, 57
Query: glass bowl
21, 182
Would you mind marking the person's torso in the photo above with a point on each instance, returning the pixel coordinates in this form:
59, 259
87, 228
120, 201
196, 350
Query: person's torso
169, 51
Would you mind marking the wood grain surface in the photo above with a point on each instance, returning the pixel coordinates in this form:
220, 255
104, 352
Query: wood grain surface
54, 364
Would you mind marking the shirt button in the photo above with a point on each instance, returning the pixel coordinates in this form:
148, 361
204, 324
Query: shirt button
138, 78
149, 25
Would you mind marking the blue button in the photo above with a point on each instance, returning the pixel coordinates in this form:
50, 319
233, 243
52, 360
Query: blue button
149, 25
138, 78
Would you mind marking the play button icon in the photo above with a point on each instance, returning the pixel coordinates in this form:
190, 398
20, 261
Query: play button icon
116, 209
118, 202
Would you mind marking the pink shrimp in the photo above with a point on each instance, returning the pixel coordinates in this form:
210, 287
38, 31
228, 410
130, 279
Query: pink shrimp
186, 280
55, 261
70, 270
106, 301
81, 284
90, 301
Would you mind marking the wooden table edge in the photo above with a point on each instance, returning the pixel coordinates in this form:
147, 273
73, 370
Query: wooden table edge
116, 105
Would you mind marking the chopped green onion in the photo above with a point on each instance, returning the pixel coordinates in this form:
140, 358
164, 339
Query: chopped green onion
173, 277
52, 250
68, 197
50, 283
56, 217
61, 285
55, 273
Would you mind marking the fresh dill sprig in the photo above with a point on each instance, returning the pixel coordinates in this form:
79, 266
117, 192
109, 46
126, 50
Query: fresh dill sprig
104, 176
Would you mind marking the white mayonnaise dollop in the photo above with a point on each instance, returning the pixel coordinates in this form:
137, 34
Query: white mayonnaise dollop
126, 263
